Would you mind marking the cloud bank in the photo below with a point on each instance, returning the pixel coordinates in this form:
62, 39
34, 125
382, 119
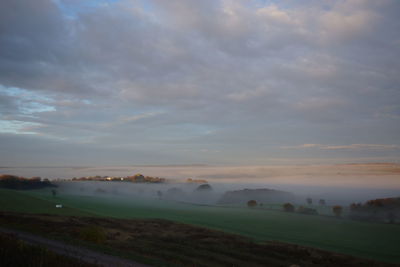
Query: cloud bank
161, 82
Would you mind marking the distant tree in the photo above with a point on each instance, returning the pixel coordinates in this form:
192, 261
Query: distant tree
322, 202
22, 183
138, 177
288, 207
337, 210
204, 187
309, 201
54, 192
384, 202
251, 203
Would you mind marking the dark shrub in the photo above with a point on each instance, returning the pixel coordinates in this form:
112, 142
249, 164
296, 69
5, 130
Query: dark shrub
251, 203
337, 210
288, 207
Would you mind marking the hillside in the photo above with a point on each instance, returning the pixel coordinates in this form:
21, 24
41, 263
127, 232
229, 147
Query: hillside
263, 195
166, 243
11, 200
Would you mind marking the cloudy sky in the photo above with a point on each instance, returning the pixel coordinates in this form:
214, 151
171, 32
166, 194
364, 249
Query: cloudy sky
119, 82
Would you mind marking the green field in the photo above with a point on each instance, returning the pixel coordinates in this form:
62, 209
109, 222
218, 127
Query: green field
20, 201
369, 240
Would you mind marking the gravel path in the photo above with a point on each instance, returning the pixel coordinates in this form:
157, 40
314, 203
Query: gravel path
83, 254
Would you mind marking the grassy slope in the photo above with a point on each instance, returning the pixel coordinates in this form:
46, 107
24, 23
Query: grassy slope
20, 201
378, 241
165, 243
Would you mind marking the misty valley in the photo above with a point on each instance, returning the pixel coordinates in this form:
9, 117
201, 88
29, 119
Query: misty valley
256, 196
327, 225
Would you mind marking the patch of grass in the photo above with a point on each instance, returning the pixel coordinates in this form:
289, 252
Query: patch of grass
12, 200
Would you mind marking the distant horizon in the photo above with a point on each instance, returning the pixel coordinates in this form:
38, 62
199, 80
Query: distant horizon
210, 165
350, 175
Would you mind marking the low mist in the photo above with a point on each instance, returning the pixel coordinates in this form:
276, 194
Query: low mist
336, 184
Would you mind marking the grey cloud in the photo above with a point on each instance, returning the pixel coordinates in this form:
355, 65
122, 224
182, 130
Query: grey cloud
220, 72
8, 105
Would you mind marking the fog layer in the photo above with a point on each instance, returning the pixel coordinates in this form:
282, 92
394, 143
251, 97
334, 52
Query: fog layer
338, 184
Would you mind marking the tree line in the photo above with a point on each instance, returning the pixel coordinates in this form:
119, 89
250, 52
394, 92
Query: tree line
21, 183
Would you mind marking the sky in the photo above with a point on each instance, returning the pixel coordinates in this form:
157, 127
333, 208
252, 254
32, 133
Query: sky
121, 82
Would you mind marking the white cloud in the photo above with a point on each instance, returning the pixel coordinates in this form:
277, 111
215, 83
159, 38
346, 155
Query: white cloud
346, 147
18, 127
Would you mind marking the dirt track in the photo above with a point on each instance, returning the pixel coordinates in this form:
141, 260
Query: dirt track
80, 253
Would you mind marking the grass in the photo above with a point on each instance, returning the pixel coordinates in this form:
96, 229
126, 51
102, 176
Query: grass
20, 201
368, 240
